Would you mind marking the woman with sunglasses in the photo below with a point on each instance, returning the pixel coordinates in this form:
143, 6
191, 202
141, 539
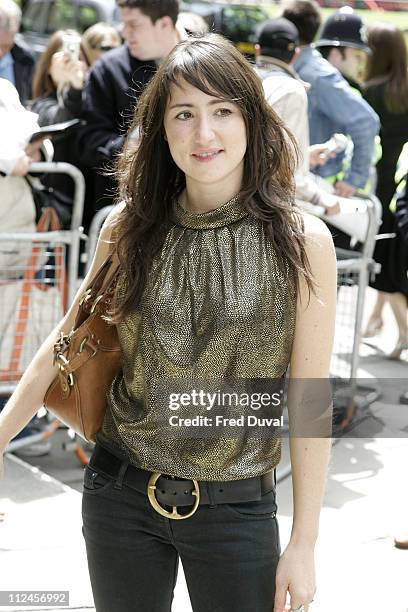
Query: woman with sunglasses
97, 40
223, 284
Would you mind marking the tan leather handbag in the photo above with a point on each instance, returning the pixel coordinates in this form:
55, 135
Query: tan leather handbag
88, 359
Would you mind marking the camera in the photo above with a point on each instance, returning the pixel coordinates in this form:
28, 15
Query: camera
71, 44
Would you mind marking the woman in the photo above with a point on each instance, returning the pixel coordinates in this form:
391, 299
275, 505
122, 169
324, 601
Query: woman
57, 90
221, 285
192, 23
386, 89
57, 94
98, 39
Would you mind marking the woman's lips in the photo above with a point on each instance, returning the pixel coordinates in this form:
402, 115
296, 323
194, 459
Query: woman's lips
201, 157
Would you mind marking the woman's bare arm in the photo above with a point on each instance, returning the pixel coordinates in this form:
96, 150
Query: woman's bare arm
310, 362
28, 397
310, 411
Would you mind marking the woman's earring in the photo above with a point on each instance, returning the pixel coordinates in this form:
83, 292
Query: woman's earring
165, 137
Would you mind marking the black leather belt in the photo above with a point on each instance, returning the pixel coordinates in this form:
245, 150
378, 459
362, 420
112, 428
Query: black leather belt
178, 492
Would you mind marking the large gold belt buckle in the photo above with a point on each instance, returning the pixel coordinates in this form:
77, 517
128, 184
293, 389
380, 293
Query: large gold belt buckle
174, 514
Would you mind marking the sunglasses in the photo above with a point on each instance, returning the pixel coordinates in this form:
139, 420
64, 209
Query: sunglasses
103, 48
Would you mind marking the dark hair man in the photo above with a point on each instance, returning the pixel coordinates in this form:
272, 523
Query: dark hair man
306, 16
118, 78
16, 61
333, 106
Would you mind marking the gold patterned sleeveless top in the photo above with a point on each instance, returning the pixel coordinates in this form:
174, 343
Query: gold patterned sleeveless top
216, 306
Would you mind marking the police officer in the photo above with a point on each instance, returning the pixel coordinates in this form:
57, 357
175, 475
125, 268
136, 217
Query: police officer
334, 108
343, 42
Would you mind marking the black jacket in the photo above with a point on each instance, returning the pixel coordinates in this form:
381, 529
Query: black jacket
394, 135
115, 82
392, 254
23, 70
65, 146
50, 111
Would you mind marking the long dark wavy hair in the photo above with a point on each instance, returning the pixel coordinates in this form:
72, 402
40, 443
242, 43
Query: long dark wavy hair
388, 64
149, 179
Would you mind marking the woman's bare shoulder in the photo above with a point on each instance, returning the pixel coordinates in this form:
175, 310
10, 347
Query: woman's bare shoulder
113, 216
314, 226
317, 234
111, 222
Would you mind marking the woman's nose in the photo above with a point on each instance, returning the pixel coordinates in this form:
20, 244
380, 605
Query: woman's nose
204, 130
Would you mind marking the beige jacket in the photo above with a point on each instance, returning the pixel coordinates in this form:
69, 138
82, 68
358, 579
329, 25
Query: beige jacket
287, 94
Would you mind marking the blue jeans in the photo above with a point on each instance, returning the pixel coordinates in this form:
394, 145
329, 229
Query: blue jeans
229, 552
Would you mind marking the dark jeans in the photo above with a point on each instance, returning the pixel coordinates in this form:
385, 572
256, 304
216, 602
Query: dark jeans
229, 552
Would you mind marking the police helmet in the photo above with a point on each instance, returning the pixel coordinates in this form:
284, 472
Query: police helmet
344, 29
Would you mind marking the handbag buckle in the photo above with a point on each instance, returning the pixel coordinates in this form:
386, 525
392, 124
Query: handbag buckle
174, 514
85, 343
62, 343
62, 363
96, 302
85, 296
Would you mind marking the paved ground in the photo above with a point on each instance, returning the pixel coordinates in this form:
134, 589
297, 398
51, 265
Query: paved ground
366, 502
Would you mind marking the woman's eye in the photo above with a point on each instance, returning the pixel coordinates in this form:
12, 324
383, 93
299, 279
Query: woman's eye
224, 112
220, 112
184, 115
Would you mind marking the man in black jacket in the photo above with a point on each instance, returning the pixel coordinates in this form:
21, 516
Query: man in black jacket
117, 80
16, 61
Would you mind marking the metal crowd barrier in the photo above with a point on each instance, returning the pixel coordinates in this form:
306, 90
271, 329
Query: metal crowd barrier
352, 397
354, 269
38, 281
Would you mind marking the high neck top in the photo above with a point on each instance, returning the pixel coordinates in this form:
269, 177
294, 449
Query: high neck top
221, 216
216, 309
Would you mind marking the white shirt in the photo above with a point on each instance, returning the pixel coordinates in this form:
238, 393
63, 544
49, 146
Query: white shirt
16, 126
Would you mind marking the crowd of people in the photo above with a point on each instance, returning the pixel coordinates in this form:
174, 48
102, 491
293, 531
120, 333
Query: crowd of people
350, 81
356, 82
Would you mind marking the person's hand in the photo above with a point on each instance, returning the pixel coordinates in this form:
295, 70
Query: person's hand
75, 71
319, 154
295, 573
345, 190
31, 154
65, 70
57, 69
33, 149
330, 203
22, 166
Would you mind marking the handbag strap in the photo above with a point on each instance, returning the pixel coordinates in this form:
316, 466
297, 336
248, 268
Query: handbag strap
100, 284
